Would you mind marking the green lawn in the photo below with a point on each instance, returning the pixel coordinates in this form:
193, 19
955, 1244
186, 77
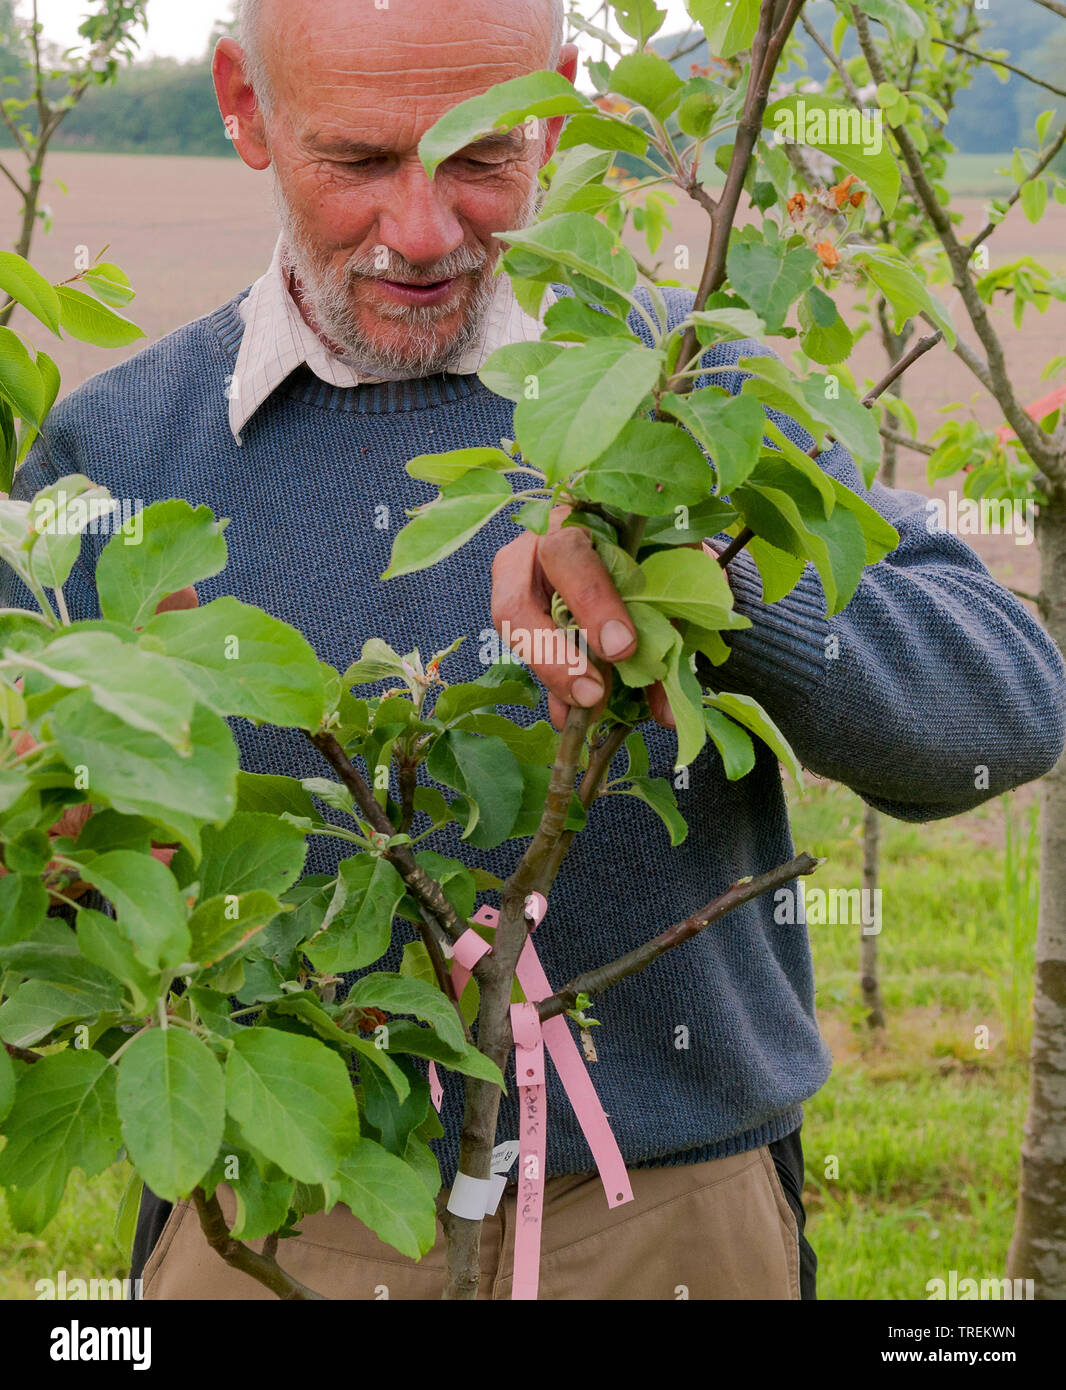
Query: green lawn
924, 1127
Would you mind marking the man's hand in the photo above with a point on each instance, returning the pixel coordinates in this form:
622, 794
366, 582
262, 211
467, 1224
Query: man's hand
525, 575
72, 821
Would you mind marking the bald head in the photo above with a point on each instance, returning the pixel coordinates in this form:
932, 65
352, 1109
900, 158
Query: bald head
259, 19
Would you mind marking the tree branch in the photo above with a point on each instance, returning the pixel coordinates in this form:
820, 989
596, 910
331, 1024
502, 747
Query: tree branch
21, 1054
262, 1268
1054, 6
1050, 153
425, 890
1001, 63
604, 976
1027, 431
905, 442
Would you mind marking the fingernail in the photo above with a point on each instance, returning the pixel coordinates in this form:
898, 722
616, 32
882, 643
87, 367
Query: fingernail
615, 638
586, 691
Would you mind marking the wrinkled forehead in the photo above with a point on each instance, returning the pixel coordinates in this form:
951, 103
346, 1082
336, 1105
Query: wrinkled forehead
388, 74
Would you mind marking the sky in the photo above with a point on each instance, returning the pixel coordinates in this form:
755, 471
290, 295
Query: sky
180, 28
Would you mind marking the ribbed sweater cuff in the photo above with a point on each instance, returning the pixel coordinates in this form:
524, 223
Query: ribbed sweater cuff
785, 648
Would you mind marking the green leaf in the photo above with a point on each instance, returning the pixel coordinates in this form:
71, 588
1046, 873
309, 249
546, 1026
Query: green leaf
458, 700
399, 995
486, 773
293, 1099
358, 922
751, 715
52, 954
265, 792
262, 1206
140, 775
586, 397
733, 743
90, 321
510, 370
106, 944
904, 291
20, 380
683, 691
64, 1117
860, 146
650, 468
38, 1007
539, 94
603, 133
848, 420
225, 924
254, 850
648, 80
688, 584
657, 793
535, 743
1033, 196
23, 903
137, 686
730, 25
656, 639
180, 546
582, 243
640, 19
780, 572
378, 662
395, 1120
241, 661
110, 284
24, 284
148, 903
824, 335
129, 1208
898, 16
171, 1097
441, 469
730, 428
577, 170
447, 523
569, 320
424, 1042
389, 1197
770, 278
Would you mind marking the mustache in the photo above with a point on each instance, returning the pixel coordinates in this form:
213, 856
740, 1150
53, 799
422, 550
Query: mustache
464, 260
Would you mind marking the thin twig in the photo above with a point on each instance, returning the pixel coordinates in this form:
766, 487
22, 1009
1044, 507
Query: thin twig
263, 1268
595, 981
1001, 63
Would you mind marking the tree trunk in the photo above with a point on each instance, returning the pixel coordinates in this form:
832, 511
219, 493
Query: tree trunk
871, 984
1038, 1248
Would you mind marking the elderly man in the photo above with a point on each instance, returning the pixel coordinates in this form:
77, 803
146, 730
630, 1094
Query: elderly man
293, 408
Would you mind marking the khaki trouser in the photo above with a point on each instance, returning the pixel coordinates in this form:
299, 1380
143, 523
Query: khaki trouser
717, 1230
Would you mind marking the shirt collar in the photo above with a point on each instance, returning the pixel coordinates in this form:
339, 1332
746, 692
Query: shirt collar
277, 339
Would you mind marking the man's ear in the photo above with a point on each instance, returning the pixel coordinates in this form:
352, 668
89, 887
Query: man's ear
568, 59
236, 100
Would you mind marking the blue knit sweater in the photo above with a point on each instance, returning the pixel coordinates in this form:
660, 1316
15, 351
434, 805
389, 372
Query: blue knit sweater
938, 670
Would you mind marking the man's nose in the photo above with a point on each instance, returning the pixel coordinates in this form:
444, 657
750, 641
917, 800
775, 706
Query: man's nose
417, 222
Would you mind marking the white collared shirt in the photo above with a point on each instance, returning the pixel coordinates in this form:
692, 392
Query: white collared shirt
277, 339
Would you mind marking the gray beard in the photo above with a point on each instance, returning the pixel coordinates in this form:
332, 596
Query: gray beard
326, 293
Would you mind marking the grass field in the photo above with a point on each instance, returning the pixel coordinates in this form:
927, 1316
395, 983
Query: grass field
924, 1126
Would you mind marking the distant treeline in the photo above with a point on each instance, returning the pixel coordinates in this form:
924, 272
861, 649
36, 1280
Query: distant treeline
167, 107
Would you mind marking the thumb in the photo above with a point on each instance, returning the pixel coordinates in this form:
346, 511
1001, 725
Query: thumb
176, 603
